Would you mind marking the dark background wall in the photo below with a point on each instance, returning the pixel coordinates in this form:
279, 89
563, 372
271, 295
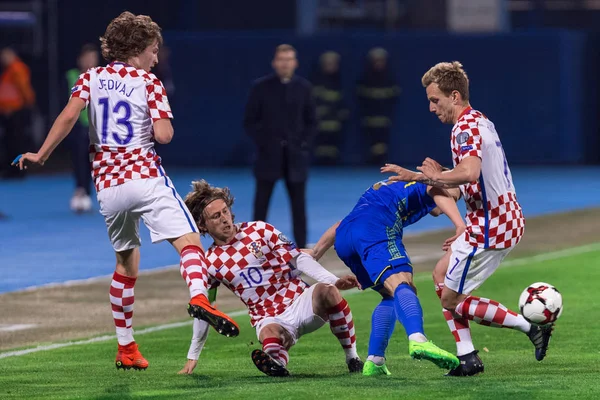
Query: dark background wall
532, 85
539, 85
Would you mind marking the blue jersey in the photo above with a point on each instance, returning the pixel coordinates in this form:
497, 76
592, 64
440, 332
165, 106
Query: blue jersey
392, 202
369, 239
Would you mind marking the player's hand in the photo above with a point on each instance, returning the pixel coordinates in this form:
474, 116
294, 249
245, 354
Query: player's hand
310, 252
347, 282
431, 168
448, 242
402, 174
189, 367
20, 160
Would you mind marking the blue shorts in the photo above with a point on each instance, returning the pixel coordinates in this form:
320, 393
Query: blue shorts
371, 250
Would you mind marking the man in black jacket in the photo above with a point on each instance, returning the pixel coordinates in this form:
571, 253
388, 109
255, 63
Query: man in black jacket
280, 118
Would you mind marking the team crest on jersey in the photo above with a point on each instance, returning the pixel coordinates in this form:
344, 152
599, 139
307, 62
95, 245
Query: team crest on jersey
284, 239
256, 249
462, 137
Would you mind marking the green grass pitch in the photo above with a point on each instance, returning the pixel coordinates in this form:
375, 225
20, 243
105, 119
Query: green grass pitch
570, 371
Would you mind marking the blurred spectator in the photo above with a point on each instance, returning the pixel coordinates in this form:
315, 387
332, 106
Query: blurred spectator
16, 100
331, 110
377, 95
80, 155
280, 118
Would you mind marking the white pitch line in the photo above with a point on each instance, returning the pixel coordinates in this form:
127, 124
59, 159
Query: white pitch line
15, 327
86, 281
105, 338
420, 277
95, 279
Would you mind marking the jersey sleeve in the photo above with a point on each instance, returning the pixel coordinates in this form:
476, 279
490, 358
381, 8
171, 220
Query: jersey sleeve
279, 243
158, 103
81, 89
468, 143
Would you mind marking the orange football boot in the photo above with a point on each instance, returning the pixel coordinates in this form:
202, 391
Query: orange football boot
129, 356
200, 308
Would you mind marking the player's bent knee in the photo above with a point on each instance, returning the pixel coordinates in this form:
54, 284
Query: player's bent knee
271, 330
450, 300
189, 239
128, 262
327, 295
394, 281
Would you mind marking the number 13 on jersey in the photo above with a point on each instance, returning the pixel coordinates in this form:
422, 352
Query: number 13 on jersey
121, 113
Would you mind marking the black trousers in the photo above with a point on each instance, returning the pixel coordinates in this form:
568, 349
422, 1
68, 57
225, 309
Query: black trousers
297, 194
80, 157
15, 140
378, 140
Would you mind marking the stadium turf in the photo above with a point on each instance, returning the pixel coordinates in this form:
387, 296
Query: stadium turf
571, 369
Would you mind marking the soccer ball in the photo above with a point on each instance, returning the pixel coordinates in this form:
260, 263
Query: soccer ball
541, 303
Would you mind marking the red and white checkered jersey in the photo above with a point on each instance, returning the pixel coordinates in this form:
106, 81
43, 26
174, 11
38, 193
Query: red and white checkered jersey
256, 267
123, 103
494, 216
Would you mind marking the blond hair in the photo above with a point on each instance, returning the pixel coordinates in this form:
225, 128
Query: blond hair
201, 196
449, 76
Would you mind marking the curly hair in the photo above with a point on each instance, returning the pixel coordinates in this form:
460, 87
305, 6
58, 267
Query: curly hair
201, 196
449, 77
129, 35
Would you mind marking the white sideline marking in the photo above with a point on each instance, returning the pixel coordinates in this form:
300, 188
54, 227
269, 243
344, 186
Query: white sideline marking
15, 327
77, 282
95, 279
421, 277
105, 338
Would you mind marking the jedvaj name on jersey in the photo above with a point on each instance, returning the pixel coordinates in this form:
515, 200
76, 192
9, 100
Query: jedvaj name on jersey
119, 87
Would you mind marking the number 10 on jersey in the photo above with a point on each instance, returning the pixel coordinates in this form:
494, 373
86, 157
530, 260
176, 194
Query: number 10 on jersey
253, 276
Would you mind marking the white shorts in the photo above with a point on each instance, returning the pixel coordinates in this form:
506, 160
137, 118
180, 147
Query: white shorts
298, 319
470, 266
155, 201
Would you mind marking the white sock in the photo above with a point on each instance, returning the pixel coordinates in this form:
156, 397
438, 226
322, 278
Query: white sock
377, 360
464, 347
351, 353
417, 337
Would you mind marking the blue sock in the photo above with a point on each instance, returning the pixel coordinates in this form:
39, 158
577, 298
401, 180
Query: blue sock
383, 322
408, 309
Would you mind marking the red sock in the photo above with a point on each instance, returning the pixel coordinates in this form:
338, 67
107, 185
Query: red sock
342, 326
458, 326
121, 300
273, 347
491, 313
193, 269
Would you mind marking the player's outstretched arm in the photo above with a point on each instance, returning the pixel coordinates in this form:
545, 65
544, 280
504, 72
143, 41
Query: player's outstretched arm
325, 242
466, 171
60, 129
446, 199
199, 336
307, 265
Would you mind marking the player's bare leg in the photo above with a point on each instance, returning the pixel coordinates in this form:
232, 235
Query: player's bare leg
329, 304
194, 272
470, 363
272, 360
121, 299
410, 314
491, 313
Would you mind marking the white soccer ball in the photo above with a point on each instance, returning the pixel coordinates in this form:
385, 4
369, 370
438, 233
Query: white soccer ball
541, 303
